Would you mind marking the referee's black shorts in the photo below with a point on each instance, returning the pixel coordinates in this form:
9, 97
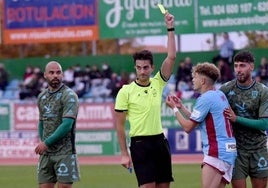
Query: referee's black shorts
151, 159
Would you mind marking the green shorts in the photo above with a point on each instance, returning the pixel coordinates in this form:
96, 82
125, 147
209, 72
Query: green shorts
58, 168
251, 164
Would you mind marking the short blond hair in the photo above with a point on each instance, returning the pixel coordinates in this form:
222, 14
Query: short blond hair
207, 69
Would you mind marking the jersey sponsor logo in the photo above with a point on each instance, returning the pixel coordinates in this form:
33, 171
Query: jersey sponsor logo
241, 108
195, 114
47, 109
262, 164
230, 147
63, 170
254, 94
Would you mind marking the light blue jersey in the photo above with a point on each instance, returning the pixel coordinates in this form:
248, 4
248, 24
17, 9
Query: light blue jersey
216, 131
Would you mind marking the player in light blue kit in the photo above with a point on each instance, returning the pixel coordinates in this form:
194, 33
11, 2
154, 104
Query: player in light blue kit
218, 142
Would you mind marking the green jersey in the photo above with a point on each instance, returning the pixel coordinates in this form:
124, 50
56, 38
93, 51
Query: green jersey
53, 106
143, 106
250, 102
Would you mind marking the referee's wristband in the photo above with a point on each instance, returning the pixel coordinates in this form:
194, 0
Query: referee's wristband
175, 109
171, 29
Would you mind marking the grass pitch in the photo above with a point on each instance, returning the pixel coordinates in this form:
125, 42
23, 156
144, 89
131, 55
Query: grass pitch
100, 176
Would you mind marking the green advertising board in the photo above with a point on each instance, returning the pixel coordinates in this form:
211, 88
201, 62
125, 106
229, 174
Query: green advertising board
99, 142
167, 115
5, 117
232, 15
124, 19
129, 19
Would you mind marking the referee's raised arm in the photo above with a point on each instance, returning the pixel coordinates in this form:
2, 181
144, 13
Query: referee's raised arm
167, 65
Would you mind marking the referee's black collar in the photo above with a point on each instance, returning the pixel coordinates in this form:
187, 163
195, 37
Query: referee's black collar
142, 85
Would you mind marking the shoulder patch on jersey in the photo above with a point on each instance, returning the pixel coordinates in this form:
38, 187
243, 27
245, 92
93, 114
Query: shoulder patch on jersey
195, 113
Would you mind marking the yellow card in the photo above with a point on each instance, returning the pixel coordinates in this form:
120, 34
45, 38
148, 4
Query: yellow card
162, 8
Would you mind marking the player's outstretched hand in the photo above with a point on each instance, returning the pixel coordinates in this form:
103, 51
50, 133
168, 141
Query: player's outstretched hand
172, 101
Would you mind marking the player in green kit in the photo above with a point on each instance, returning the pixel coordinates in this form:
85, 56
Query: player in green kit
249, 113
140, 101
58, 108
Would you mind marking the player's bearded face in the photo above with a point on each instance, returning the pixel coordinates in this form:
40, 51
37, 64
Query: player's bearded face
243, 77
54, 82
242, 71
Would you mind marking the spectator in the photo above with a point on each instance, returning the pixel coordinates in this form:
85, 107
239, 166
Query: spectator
106, 71
3, 77
86, 78
132, 77
95, 76
28, 72
42, 84
183, 74
226, 72
188, 65
100, 90
262, 71
124, 78
95, 73
180, 74
32, 85
68, 77
78, 72
226, 50
87, 74
79, 87
114, 86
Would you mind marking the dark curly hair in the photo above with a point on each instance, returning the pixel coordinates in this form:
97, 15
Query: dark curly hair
244, 56
143, 55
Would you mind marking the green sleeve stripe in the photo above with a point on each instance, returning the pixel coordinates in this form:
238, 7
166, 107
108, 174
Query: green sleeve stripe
40, 130
261, 124
60, 132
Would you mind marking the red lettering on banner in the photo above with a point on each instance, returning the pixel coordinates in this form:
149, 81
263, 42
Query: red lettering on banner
18, 147
96, 116
39, 16
29, 13
27, 113
90, 116
42, 13
9, 142
26, 116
